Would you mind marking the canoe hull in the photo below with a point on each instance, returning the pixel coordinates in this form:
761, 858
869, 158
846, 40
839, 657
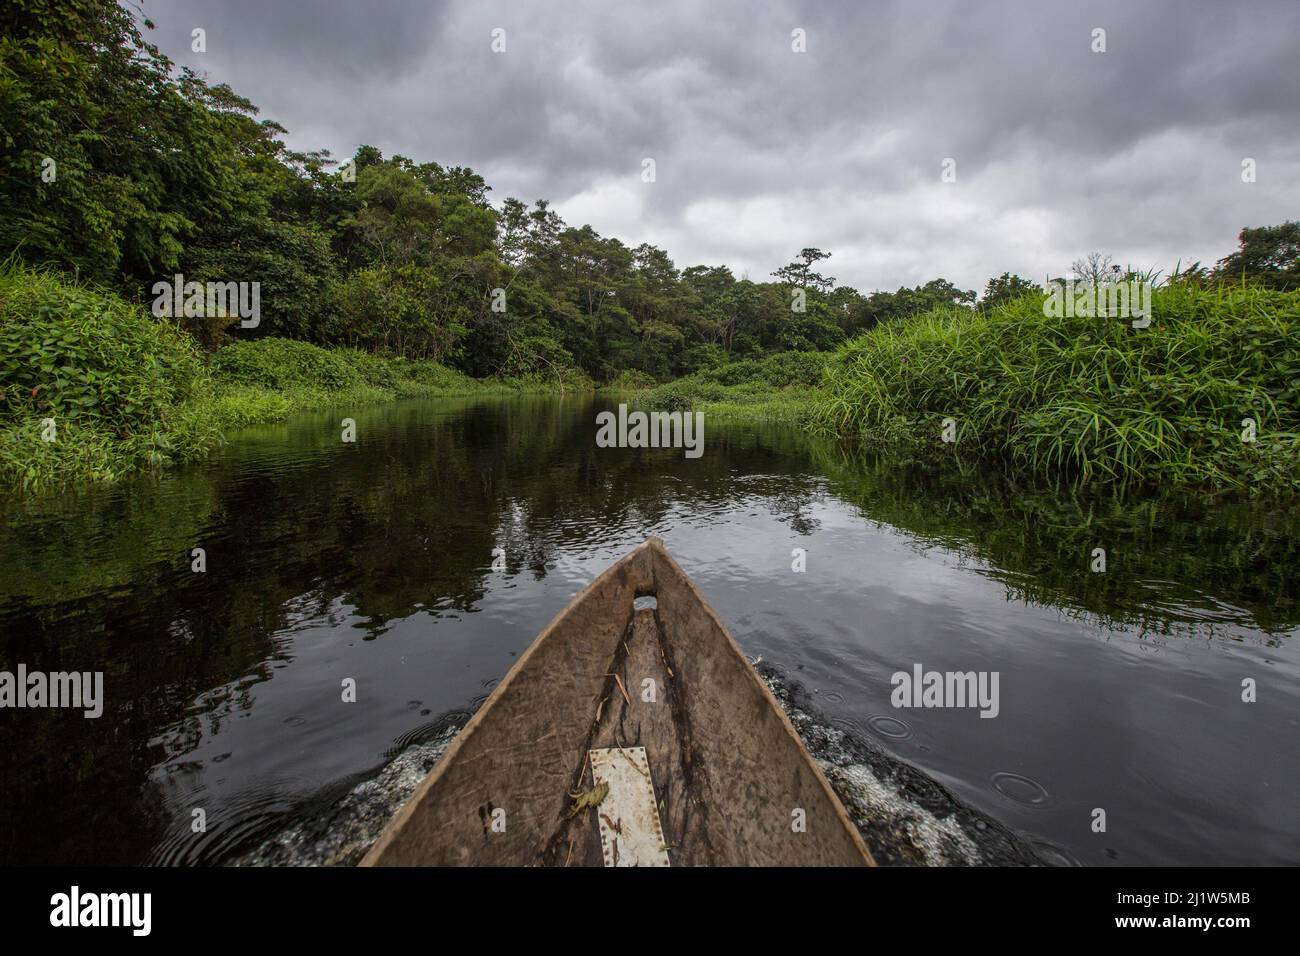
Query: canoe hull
735, 785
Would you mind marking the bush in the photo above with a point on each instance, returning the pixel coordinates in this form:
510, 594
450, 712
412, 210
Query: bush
73, 353
282, 364
433, 375
733, 373
780, 370
238, 406
632, 380
559, 380
285, 365
786, 369
372, 369
703, 355
776, 386
118, 384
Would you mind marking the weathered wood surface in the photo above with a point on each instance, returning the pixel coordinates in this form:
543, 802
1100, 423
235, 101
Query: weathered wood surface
728, 769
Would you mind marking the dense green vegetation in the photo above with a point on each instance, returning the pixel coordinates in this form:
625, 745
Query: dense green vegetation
90, 385
778, 388
1092, 398
121, 171
94, 388
155, 172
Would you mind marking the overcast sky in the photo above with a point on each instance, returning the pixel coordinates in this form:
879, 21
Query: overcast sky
760, 151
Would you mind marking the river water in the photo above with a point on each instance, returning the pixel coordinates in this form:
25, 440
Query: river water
1120, 691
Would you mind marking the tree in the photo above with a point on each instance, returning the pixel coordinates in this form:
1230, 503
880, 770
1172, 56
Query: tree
1095, 268
291, 262
110, 162
711, 307
905, 303
1268, 254
123, 169
800, 272
1005, 288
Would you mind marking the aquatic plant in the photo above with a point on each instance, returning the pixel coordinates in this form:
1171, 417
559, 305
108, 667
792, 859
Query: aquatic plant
1207, 396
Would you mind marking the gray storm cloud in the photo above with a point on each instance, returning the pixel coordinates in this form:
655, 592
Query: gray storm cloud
760, 151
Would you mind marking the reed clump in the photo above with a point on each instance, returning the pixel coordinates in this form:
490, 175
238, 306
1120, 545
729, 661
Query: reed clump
1208, 395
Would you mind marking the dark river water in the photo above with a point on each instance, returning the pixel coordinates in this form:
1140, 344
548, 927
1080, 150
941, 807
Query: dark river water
1120, 691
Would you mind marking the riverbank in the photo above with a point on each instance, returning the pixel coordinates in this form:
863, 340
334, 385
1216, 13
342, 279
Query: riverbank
778, 388
1206, 397
906, 818
94, 388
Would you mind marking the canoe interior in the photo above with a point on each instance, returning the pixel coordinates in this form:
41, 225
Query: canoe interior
728, 770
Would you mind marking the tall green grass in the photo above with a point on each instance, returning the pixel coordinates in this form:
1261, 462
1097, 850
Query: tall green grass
1087, 399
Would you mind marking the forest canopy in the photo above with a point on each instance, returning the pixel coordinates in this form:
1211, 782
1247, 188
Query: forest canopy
123, 169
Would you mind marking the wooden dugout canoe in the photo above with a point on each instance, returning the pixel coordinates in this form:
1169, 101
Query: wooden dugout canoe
708, 772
